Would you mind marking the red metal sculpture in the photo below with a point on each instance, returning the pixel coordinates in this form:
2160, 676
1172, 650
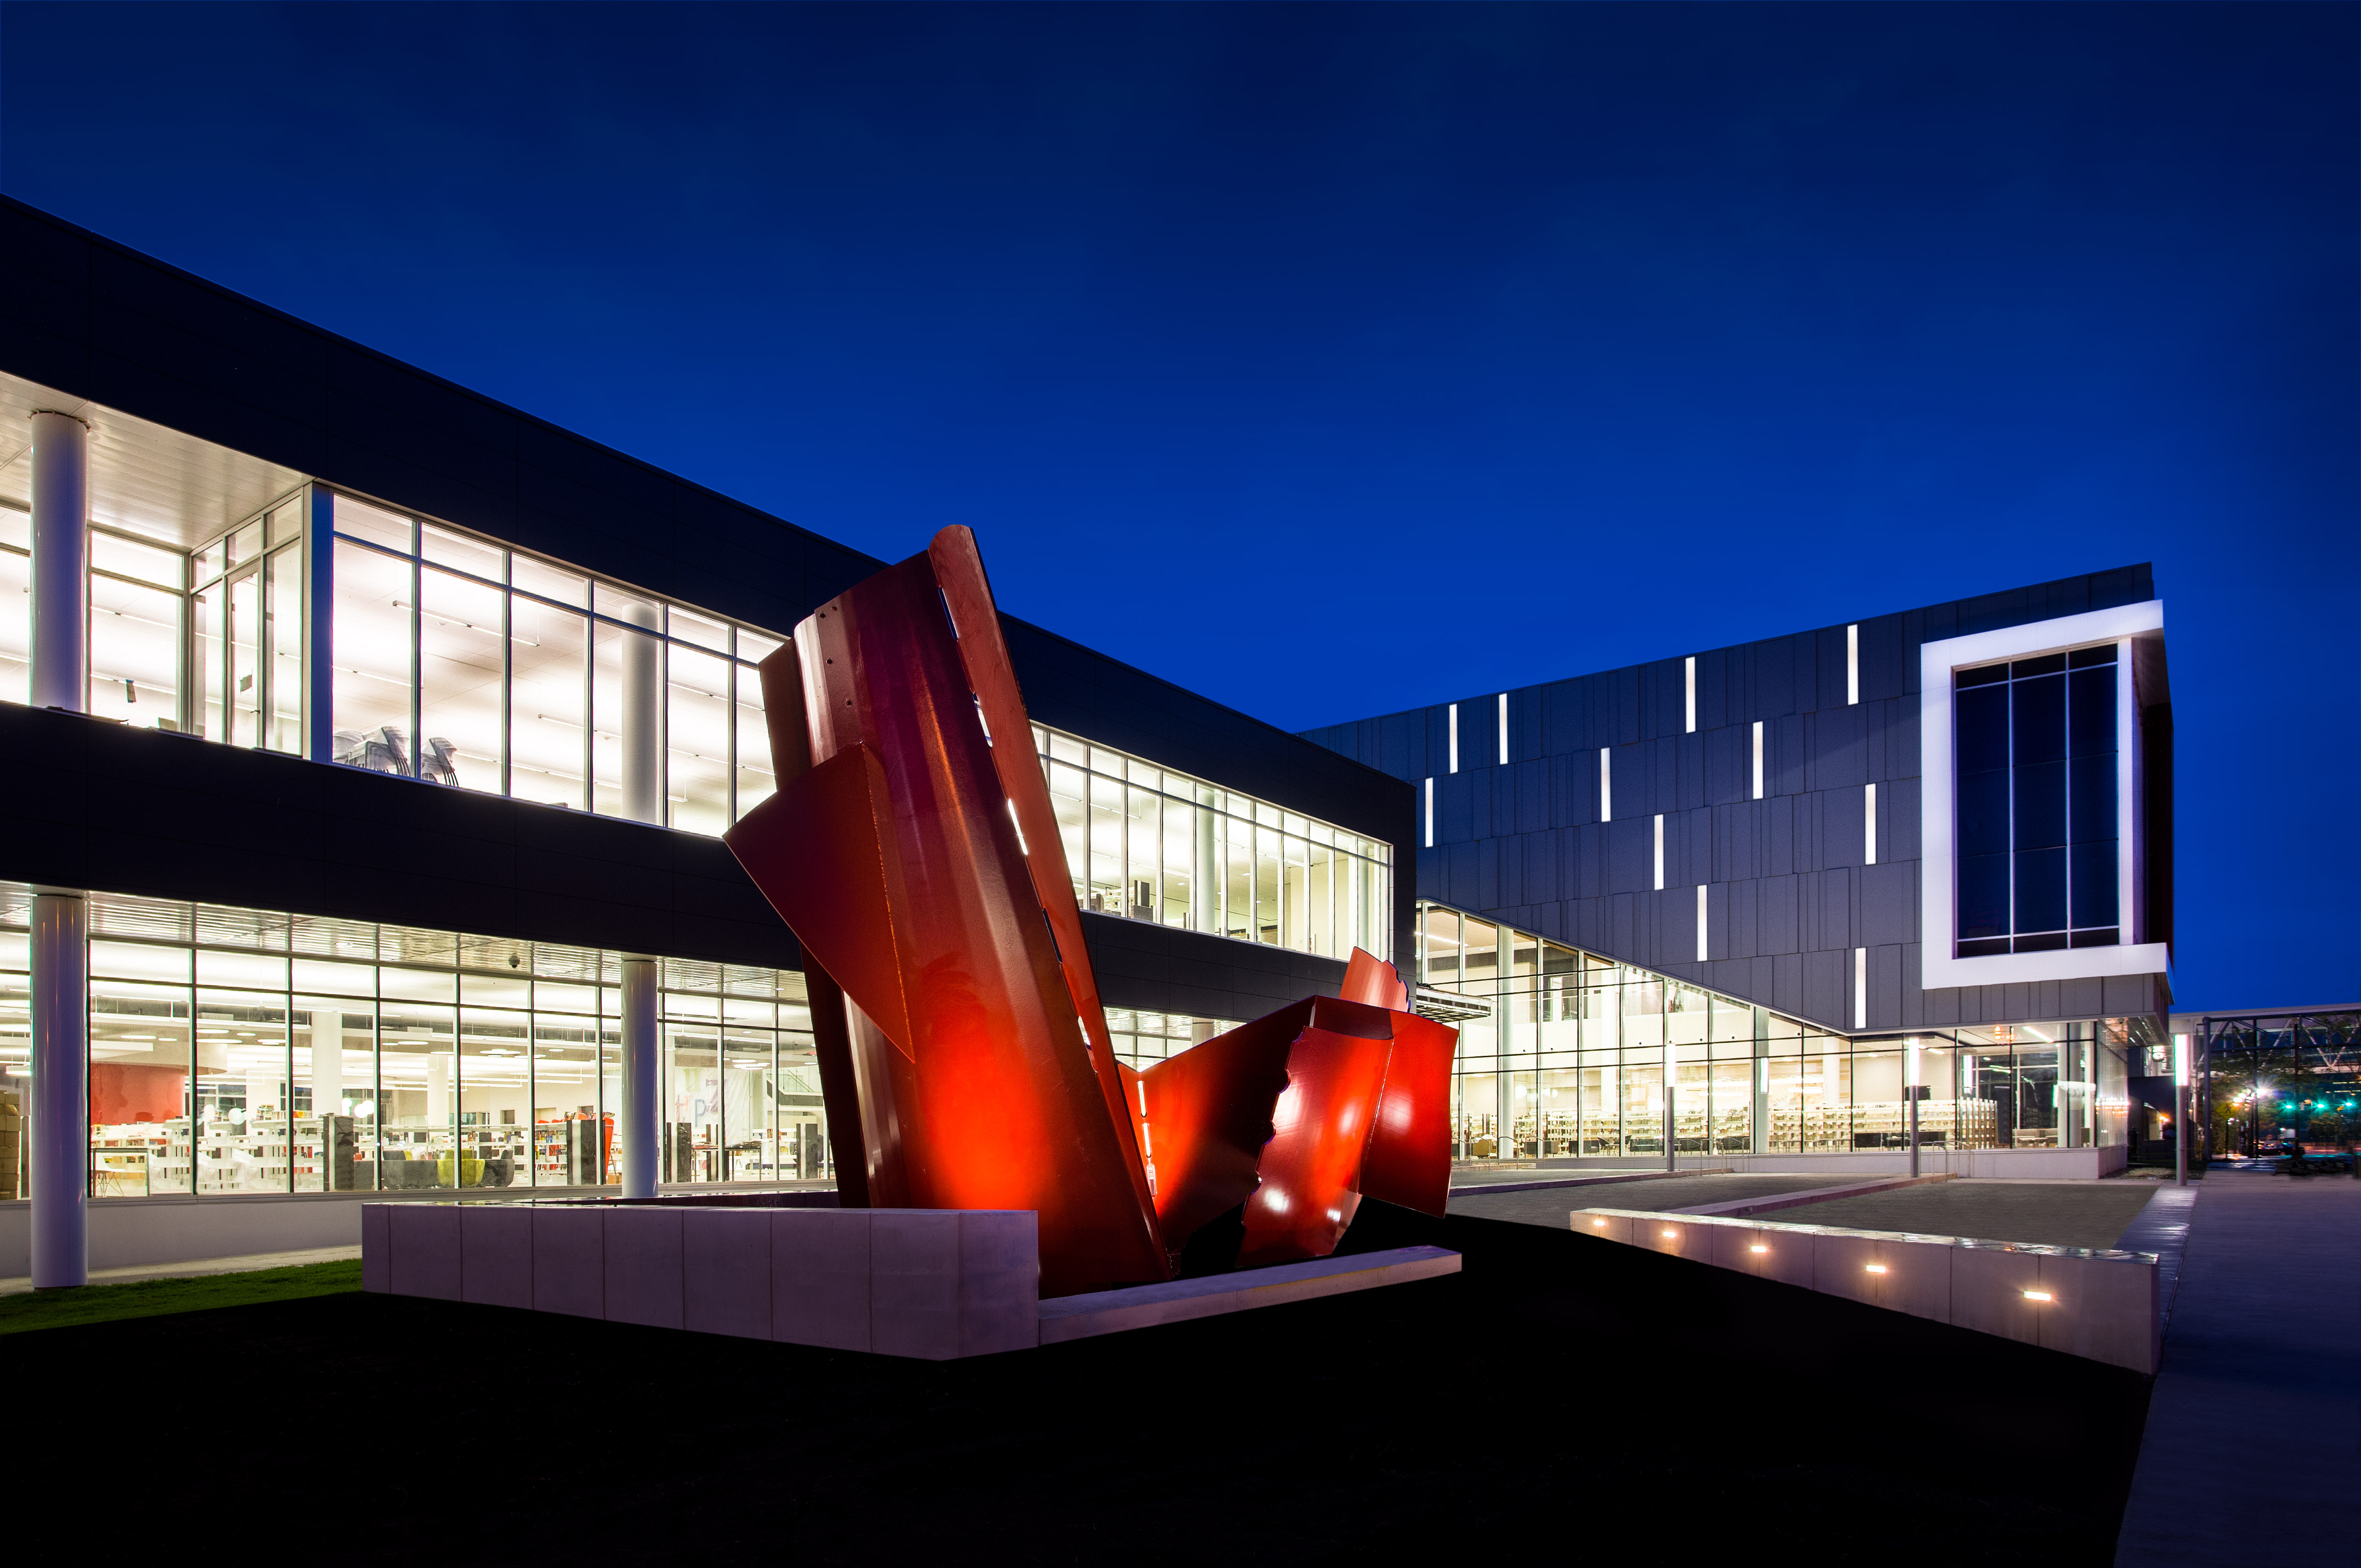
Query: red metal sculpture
964, 1056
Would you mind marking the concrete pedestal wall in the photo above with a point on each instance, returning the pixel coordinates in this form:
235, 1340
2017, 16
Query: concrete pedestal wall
933, 1284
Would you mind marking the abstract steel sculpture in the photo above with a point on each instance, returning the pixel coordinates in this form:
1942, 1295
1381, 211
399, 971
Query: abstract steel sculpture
964, 1057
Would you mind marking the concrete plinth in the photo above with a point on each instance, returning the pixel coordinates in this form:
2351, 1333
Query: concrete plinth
929, 1284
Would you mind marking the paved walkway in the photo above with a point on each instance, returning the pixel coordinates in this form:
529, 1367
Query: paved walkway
2053, 1214
1550, 1205
244, 1264
2253, 1449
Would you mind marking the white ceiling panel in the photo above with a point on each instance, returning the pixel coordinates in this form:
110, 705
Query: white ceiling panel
145, 480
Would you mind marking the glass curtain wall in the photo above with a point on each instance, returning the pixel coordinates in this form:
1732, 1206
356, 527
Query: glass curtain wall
244, 645
138, 602
243, 1051
1143, 1039
1147, 843
1564, 1054
453, 660
15, 604
465, 663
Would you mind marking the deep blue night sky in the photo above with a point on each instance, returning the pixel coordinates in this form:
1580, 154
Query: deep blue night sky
1332, 360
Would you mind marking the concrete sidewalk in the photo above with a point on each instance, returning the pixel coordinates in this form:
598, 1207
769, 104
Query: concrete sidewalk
245, 1263
2253, 1445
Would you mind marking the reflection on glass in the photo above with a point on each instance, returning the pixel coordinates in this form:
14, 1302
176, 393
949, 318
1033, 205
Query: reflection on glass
15, 612
135, 654
235, 1066
1145, 843
243, 1138
624, 681
696, 738
461, 645
692, 1141
495, 1099
756, 779
372, 637
284, 641
549, 704
140, 1039
245, 659
418, 1088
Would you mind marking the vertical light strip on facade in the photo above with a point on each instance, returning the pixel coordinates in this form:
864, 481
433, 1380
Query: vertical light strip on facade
1861, 988
1659, 851
1454, 737
1853, 665
1758, 759
1701, 922
1501, 729
1688, 675
1606, 786
1430, 811
1869, 826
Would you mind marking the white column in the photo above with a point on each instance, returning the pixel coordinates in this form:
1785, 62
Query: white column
61, 561
327, 1062
1672, 1118
61, 1119
1761, 1142
438, 1091
644, 720
638, 1126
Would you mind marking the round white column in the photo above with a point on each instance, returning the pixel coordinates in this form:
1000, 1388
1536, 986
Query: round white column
641, 1123
61, 1119
61, 561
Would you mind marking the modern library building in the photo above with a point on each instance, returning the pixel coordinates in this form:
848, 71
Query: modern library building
374, 742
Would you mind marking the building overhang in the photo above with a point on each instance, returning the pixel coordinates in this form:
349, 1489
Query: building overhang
145, 478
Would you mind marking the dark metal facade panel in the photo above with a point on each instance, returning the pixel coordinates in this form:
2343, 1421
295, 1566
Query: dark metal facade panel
1791, 866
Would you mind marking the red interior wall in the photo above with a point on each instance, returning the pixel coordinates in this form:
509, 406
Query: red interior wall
119, 1093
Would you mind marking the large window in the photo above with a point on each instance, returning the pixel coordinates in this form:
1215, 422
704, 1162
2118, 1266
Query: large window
1565, 1054
2035, 749
468, 664
241, 1051
137, 600
1143, 842
1143, 1039
246, 635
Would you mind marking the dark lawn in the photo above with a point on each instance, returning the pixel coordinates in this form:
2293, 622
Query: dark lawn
1563, 1397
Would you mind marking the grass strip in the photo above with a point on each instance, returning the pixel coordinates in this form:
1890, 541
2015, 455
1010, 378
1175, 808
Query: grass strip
187, 1293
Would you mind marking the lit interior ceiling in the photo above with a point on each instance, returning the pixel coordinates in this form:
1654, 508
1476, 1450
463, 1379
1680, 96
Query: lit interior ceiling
145, 480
